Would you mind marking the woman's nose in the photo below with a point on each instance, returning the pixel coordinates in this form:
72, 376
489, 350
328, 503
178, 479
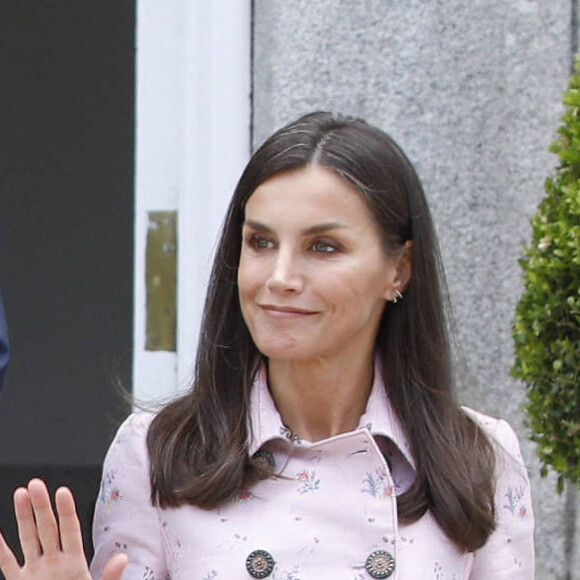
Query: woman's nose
286, 274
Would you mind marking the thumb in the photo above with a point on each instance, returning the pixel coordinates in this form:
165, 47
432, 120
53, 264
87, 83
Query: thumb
115, 566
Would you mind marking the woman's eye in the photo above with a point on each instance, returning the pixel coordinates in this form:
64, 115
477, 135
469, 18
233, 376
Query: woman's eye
261, 243
324, 247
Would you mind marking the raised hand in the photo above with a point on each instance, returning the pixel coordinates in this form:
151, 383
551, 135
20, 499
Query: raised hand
53, 550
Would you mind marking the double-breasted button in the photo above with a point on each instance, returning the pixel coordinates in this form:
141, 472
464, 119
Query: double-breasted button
380, 564
260, 564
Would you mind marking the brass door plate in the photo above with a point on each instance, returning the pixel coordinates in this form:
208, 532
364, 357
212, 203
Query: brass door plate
161, 280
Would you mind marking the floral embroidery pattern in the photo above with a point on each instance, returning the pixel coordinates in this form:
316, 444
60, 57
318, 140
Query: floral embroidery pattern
514, 505
310, 547
316, 457
243, 497
109, 493
173, 542
286, 575
377, 484
440, 575
308, 481
391, 541
148, 574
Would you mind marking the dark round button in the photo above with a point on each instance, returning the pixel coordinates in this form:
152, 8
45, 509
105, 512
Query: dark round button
265, 459
260, 564
380, 564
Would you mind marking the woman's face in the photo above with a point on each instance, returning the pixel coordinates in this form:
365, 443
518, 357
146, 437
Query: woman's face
313, 277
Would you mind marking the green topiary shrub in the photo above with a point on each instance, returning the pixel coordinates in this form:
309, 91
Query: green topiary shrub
547, 322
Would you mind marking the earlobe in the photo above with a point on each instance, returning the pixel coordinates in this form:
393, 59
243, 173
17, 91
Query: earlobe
394, 296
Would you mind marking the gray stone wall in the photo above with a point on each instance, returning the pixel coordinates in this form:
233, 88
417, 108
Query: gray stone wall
472, 91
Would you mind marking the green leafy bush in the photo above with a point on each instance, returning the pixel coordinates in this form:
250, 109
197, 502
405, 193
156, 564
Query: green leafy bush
547, 322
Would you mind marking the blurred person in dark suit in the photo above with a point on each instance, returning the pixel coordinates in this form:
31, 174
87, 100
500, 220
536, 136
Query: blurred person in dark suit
4, 347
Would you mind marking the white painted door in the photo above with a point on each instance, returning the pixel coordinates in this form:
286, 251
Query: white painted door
192, 142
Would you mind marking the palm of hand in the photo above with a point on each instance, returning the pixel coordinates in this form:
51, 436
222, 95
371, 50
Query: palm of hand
50, 567
52, 550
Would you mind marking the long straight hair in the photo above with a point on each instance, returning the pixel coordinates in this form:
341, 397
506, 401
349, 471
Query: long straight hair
198, 445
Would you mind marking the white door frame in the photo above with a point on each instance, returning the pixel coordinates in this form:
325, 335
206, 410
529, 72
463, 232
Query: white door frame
192, 141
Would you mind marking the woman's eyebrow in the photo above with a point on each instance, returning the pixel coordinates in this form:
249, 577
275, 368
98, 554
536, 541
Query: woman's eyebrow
316, 229
256, 225
321, 228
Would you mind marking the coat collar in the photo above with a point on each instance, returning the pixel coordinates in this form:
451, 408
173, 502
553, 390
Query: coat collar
379, 418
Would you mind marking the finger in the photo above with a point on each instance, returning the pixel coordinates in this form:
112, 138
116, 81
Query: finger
115, 566
8, 563
46, 525
71, 537
27, 532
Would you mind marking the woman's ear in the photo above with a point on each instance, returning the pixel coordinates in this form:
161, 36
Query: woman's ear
403, 273
405, 266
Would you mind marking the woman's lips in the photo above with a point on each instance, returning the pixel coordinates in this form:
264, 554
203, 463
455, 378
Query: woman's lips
285, 311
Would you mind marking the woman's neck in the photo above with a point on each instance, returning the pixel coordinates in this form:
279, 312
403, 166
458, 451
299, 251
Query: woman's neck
318, 399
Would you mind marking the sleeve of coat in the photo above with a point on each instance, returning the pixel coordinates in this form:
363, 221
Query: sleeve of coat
509, 552
125, 520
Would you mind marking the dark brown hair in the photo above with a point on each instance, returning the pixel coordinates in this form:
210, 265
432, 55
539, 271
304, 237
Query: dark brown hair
199, 444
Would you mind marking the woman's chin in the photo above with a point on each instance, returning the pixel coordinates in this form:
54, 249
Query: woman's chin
285, 349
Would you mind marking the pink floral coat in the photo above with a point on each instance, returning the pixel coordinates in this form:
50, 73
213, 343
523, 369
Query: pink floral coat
333, 516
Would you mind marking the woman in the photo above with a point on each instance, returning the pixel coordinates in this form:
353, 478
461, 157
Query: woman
321, 437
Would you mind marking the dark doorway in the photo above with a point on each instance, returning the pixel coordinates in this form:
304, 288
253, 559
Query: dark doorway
66, 257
